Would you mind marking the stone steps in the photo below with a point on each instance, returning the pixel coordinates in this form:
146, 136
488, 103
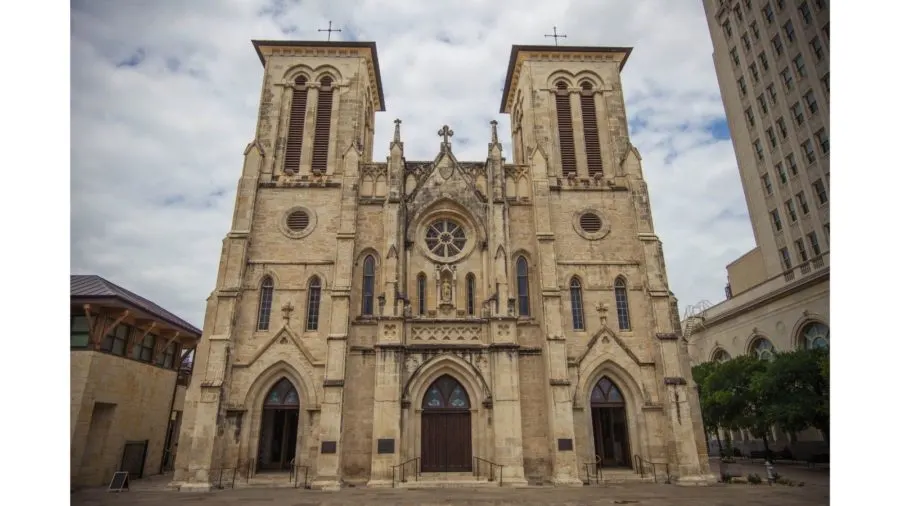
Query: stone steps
268, 480
447, 480
611, 476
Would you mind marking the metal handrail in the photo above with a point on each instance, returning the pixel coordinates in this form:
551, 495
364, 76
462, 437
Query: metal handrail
598, 469
220, 482
640, 461
295, 475
402, 473
476, 468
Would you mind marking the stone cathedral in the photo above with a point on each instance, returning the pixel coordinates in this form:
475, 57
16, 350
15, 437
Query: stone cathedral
440, 316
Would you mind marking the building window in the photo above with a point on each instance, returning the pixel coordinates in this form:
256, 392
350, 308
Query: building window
819, 188
789, 31
622, 304
780, 5
79, 331
764, 61
168, 356
737, 13
522, 286
805, 13
116, 340
773, 141
742, 84
565, 131
782, 127
827, 228
827, 30
313, 302
777, 45
294, 144
768, 14
591, 131
143, 351
421, 291
745, 40
815, 336
792, 163
814, 244
761, 100
801, 250
776, 220
779, 169
754, 73
368, 288
799, 65
470, 294
577, 305
754, 29
759, 150
826, 82
816, 46
810, 152
797, 111
791, 210
773, 96
785, 258
811, 105
820, 4
726, 27
822, 139
804, 205
767, 183
787, 78
264, 312
748, 112
323, 125
734, 57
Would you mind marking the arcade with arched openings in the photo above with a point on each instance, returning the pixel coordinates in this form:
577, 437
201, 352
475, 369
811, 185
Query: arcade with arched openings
446, 427
610, 424
280, 424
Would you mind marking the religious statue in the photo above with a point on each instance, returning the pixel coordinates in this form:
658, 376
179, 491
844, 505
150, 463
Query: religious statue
445, 291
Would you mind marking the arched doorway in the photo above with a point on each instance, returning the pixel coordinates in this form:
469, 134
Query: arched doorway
610, 424
278, 432
446, 427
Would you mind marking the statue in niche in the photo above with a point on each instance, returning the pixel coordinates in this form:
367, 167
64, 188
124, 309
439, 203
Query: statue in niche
445, 291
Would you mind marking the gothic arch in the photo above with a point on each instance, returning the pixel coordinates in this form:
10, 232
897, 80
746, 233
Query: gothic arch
560, 75
295, 71
261, 276
591, 77
329, 71
266, 379
448, 208
323, 281
363, 253
468, 376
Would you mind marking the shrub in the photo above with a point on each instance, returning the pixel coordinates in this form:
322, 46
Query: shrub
754, 478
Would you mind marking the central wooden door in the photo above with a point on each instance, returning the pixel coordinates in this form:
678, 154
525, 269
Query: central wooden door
446, 428
279, 428
610, 425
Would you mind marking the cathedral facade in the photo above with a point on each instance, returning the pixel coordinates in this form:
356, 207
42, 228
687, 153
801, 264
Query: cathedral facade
438, 316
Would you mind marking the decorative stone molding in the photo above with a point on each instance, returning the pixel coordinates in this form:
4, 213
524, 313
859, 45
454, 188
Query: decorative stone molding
446, 333
667, 336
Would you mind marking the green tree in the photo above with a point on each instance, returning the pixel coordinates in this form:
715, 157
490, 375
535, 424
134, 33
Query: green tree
708, 411
734, 401
795, 387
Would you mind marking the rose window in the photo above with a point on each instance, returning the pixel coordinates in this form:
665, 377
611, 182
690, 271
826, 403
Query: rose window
445, 238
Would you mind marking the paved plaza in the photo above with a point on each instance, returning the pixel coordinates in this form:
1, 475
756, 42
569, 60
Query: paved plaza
815, 492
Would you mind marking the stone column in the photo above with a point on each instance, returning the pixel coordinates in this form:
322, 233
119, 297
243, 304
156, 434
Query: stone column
507, 410
386, 435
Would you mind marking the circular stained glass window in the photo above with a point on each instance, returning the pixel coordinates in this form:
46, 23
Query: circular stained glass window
445, 238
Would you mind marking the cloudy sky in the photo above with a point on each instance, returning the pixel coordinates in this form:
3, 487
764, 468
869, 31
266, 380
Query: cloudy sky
164, 97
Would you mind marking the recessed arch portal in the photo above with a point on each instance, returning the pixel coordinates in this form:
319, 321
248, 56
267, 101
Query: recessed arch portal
280, 423
610, 424
446, 427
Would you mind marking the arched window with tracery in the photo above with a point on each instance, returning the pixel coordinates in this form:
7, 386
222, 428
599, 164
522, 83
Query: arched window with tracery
421, 293
564, 127
763, 349
606, 393
264, 312
282, 396
591, 131
522, 286
445, 393
814, 335
621, 291
470, 294
313, 301
296, 122
368, 288
577, 304
720, 356
323, 125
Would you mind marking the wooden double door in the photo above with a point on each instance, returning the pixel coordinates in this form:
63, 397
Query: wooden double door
446, 441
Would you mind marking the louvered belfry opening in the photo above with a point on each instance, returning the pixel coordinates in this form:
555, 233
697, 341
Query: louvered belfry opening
323, 126
564, 123
295, 127
591, 132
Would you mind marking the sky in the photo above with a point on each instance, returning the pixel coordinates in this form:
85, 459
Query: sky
164, 99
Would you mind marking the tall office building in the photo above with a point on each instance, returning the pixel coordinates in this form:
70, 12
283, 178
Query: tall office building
772, 62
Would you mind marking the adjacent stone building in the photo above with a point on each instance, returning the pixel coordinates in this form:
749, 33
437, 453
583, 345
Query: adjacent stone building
127, 383
440, 313
772, 62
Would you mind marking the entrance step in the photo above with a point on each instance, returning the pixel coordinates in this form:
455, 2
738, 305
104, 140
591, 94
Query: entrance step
626, 476
267, 480
447, 480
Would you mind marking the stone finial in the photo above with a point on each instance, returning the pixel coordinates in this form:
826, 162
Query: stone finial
446, 133
286, 311
602, 309
494, 139
397, 130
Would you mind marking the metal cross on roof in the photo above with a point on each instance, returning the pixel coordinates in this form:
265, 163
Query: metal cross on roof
556, 36
329, 30
446, 133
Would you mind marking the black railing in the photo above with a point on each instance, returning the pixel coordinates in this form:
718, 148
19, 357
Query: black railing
295, 475
222, 477
594, 470
643, 466
398, 472
251, 469
480, 465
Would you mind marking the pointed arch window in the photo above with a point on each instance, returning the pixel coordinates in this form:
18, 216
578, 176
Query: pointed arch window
445, 393
282, 395
368, 296
294, 145
470, 294
323, 125
577, 304
564, 127
606, 393
621, 290
313, 302
265, 303
591, 131
421, 293
522, 286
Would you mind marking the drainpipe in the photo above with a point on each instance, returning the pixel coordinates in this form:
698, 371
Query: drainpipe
162, 463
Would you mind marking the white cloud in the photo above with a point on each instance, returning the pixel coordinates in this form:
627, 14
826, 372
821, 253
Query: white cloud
156, 147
